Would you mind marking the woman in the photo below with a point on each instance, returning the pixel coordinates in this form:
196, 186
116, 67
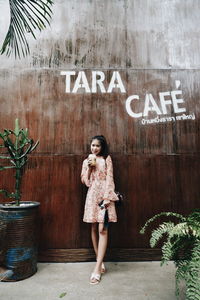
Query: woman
97, 174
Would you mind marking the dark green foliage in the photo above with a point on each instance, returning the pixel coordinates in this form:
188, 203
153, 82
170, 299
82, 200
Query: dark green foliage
25, 17
18, 146
182, 245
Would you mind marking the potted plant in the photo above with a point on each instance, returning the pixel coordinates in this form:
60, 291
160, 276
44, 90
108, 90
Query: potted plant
19, 249
182, 245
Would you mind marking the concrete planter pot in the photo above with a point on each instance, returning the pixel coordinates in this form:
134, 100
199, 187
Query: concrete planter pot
20, 244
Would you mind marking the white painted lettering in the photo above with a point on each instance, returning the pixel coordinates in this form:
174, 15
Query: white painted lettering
68, 79
154, 107
81, 82
118, 84
176, 101
128, 106
98, 81
164, 102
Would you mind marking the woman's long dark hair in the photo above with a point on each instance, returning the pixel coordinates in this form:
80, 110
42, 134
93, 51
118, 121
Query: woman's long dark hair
104, 145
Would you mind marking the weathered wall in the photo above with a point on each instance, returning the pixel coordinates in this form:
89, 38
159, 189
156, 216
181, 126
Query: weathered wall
152, 44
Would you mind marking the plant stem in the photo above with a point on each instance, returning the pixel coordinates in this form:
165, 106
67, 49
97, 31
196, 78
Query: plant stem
18, 177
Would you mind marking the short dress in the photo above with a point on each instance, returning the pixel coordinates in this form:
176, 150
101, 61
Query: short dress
101, 187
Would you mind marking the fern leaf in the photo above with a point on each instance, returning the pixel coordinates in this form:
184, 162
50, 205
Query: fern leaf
193, 274
158, 233
168, 214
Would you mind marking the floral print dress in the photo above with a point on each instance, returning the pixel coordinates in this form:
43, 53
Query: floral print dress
101, 187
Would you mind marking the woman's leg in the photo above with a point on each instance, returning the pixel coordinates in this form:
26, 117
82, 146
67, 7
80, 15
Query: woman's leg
94, 236
102, 245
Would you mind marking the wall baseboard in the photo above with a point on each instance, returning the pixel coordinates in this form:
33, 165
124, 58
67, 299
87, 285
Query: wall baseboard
114, 254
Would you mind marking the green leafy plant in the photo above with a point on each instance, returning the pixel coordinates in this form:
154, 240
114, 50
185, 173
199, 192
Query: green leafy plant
182, 245
18, 145
25, 17
63, 295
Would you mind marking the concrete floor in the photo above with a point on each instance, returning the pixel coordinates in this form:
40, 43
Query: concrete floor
123, 281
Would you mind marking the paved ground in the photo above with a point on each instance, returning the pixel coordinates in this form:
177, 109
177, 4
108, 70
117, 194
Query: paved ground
123, 281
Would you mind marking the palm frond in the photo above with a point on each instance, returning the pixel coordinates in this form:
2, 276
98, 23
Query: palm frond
25, 18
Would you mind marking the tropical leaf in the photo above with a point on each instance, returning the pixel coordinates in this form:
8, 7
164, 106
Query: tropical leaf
7, 194
5, 157
25, 17
167, 214
18, 146
182, 245
6, 167
158, 233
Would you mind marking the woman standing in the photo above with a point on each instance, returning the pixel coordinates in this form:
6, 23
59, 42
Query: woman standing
97, 174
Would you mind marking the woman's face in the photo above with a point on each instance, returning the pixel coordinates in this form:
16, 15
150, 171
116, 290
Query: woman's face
95, 147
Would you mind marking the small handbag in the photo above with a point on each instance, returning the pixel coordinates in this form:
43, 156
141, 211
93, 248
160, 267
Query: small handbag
120, 200
105, 223
118, 203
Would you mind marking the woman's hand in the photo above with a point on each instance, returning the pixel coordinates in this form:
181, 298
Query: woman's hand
106, 203
90, 167
90, 163
91, 160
